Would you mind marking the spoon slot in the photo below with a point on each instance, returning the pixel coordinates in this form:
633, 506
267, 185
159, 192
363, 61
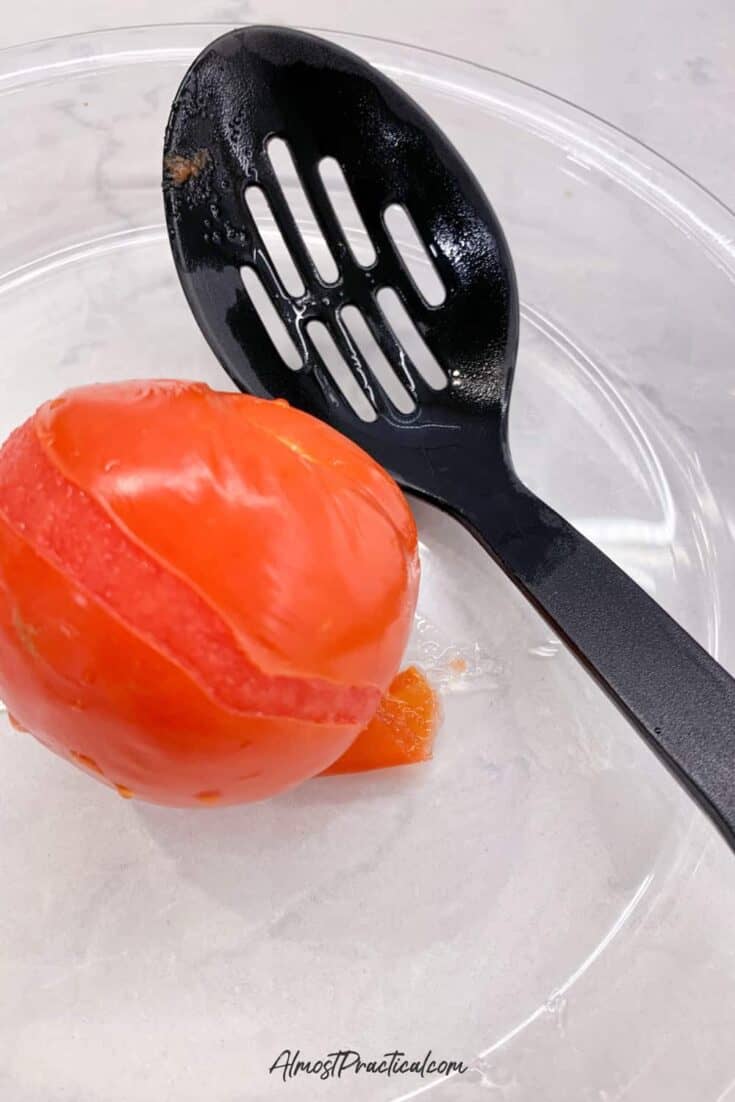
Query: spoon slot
302, 211
410, 340
337, 367
376, 360
414, 254
270, 319
347, 212
280, 257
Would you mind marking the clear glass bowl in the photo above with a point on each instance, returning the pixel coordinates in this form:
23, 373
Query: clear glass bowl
540, 901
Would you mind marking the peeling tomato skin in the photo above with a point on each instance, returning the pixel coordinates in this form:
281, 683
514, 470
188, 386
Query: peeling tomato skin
401, 732
94, 687
309, 551
68, 528
143, 721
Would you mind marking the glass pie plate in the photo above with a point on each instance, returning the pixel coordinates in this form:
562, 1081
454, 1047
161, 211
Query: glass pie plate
540, 901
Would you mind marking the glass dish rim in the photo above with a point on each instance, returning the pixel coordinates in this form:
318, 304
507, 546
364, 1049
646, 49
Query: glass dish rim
665, 185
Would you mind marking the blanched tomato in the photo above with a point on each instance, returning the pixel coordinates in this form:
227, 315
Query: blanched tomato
203, 596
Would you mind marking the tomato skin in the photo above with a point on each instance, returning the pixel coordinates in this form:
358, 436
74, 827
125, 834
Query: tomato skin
400, 733
222, 487
107, 683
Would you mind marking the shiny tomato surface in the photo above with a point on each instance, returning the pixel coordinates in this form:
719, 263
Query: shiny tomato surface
203, 596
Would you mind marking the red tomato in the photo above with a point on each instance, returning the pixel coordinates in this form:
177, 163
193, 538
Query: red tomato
203, 596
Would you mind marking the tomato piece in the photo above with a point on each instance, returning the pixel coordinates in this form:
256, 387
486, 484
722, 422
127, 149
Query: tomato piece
400, 733
202, 595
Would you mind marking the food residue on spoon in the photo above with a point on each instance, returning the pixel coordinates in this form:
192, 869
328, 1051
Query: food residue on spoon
180, 169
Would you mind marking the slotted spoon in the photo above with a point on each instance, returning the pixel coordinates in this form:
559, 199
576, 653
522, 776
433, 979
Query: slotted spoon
260, 83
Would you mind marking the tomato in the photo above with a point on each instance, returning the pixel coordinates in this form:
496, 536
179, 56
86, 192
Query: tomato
400, 733
203, 596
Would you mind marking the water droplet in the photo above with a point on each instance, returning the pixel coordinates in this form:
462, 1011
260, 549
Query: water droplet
457, 668
232, 233
126, 793
556, 1007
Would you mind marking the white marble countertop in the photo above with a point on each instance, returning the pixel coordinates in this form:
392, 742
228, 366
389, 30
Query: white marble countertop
663, 70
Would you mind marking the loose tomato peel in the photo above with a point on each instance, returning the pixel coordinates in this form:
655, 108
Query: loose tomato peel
400, 733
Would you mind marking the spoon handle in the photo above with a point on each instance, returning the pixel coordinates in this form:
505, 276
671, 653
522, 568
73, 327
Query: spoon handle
679, 698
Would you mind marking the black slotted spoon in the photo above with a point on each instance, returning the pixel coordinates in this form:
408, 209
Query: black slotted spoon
262, 82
